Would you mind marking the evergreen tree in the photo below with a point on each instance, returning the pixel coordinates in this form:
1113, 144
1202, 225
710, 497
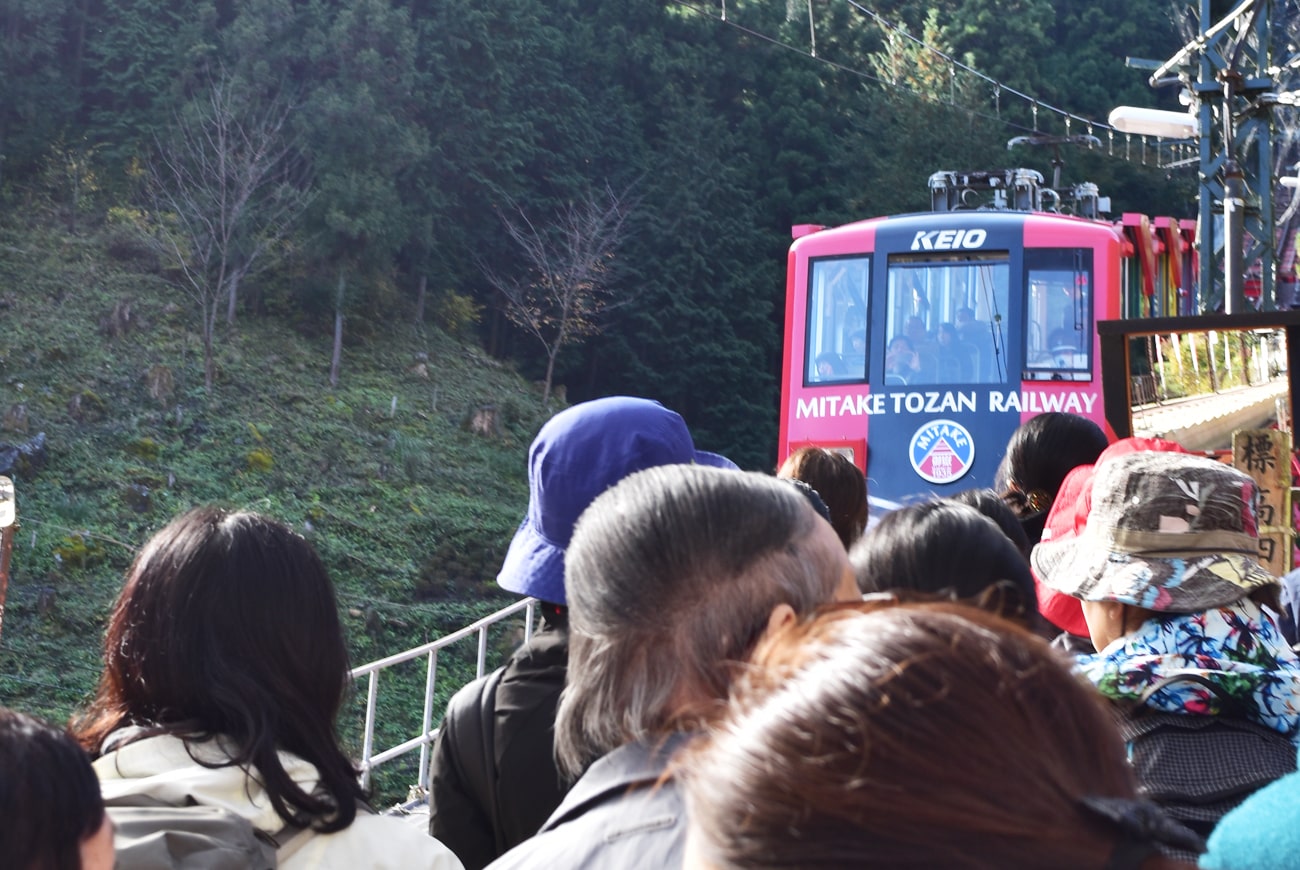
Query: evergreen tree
141, 56
361, 125
700, 335
1006, 39
1084, 67
39, 95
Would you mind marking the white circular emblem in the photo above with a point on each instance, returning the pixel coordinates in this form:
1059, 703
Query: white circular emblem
941, 451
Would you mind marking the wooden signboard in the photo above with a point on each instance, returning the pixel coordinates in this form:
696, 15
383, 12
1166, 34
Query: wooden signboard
8, 523
1265, 454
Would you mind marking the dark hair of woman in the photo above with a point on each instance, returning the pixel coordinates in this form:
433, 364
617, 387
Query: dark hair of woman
1039, 455
944, 548
227, 626
993, 506
49, 795
688, 559
840, 483
923, 735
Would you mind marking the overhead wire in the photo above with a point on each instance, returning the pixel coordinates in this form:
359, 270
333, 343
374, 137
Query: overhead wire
956, 64
730, 22
999, 88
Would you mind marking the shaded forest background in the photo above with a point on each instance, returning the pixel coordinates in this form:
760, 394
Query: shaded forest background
415, 127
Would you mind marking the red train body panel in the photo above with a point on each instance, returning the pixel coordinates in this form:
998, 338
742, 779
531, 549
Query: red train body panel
918, 343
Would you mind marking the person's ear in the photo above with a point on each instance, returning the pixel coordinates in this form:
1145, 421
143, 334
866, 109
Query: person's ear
1116, 613
781, 616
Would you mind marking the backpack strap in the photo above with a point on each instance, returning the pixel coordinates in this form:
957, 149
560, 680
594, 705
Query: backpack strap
1197, 767
289, 839
471, 723
155, 834
1230, 706
487, 721
285, 842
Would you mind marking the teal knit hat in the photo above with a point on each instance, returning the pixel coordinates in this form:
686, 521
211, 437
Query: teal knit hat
1263, 833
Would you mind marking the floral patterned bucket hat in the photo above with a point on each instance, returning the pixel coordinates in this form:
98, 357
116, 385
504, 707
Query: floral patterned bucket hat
1166, 531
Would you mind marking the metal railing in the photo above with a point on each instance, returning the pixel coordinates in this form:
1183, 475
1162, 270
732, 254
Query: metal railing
1143, 390
424, 740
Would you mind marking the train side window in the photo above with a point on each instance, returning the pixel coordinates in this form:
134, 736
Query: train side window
835, 344
944, 319
1058, 314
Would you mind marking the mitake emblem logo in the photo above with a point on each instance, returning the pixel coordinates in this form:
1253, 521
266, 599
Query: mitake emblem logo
941, 451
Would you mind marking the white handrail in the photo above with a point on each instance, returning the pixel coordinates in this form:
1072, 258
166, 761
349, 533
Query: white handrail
424, 740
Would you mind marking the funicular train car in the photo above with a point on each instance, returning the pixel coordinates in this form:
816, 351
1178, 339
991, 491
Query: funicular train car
932, 336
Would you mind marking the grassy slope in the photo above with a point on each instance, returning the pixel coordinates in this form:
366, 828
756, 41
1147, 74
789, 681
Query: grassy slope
411, 512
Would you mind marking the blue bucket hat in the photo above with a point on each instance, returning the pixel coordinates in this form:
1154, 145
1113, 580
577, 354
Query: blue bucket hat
578, 454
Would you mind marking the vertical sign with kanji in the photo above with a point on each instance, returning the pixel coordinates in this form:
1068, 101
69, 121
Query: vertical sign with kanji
1265, 454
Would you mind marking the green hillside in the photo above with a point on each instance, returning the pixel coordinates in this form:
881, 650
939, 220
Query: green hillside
410, 509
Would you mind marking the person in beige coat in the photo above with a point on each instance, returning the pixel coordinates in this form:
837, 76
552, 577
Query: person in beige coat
224, 672
161, 768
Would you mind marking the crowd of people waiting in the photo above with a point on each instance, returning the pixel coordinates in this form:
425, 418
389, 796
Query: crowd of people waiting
1081, 669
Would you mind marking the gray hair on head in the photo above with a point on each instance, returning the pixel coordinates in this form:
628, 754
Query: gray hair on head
672, 576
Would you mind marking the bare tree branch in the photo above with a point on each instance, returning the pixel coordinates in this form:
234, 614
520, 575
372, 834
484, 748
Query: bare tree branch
226, 184
567, 285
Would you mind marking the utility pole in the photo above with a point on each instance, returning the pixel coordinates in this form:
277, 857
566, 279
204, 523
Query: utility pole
1229, 69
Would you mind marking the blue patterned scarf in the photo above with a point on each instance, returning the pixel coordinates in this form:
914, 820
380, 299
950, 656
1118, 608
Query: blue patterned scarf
1237, 648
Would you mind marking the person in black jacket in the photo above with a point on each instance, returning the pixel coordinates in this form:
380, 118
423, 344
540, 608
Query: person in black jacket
489, 792
491, 789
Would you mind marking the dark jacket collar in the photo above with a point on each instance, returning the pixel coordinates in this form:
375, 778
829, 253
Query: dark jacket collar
636, 765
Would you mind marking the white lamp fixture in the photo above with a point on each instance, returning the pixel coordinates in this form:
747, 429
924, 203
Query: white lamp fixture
1155, 122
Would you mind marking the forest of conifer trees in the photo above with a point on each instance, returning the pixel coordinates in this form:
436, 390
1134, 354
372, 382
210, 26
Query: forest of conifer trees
385, 145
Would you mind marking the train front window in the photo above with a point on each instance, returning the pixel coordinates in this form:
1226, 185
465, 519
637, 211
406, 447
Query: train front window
1058, 314
836, 341
945, 316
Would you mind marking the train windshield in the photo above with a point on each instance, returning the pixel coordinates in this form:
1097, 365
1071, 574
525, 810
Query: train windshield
836, 349
944, 319
1058, 314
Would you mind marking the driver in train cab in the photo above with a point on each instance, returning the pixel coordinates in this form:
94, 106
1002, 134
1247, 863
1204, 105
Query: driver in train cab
955, 358
966, 323
1067, 348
